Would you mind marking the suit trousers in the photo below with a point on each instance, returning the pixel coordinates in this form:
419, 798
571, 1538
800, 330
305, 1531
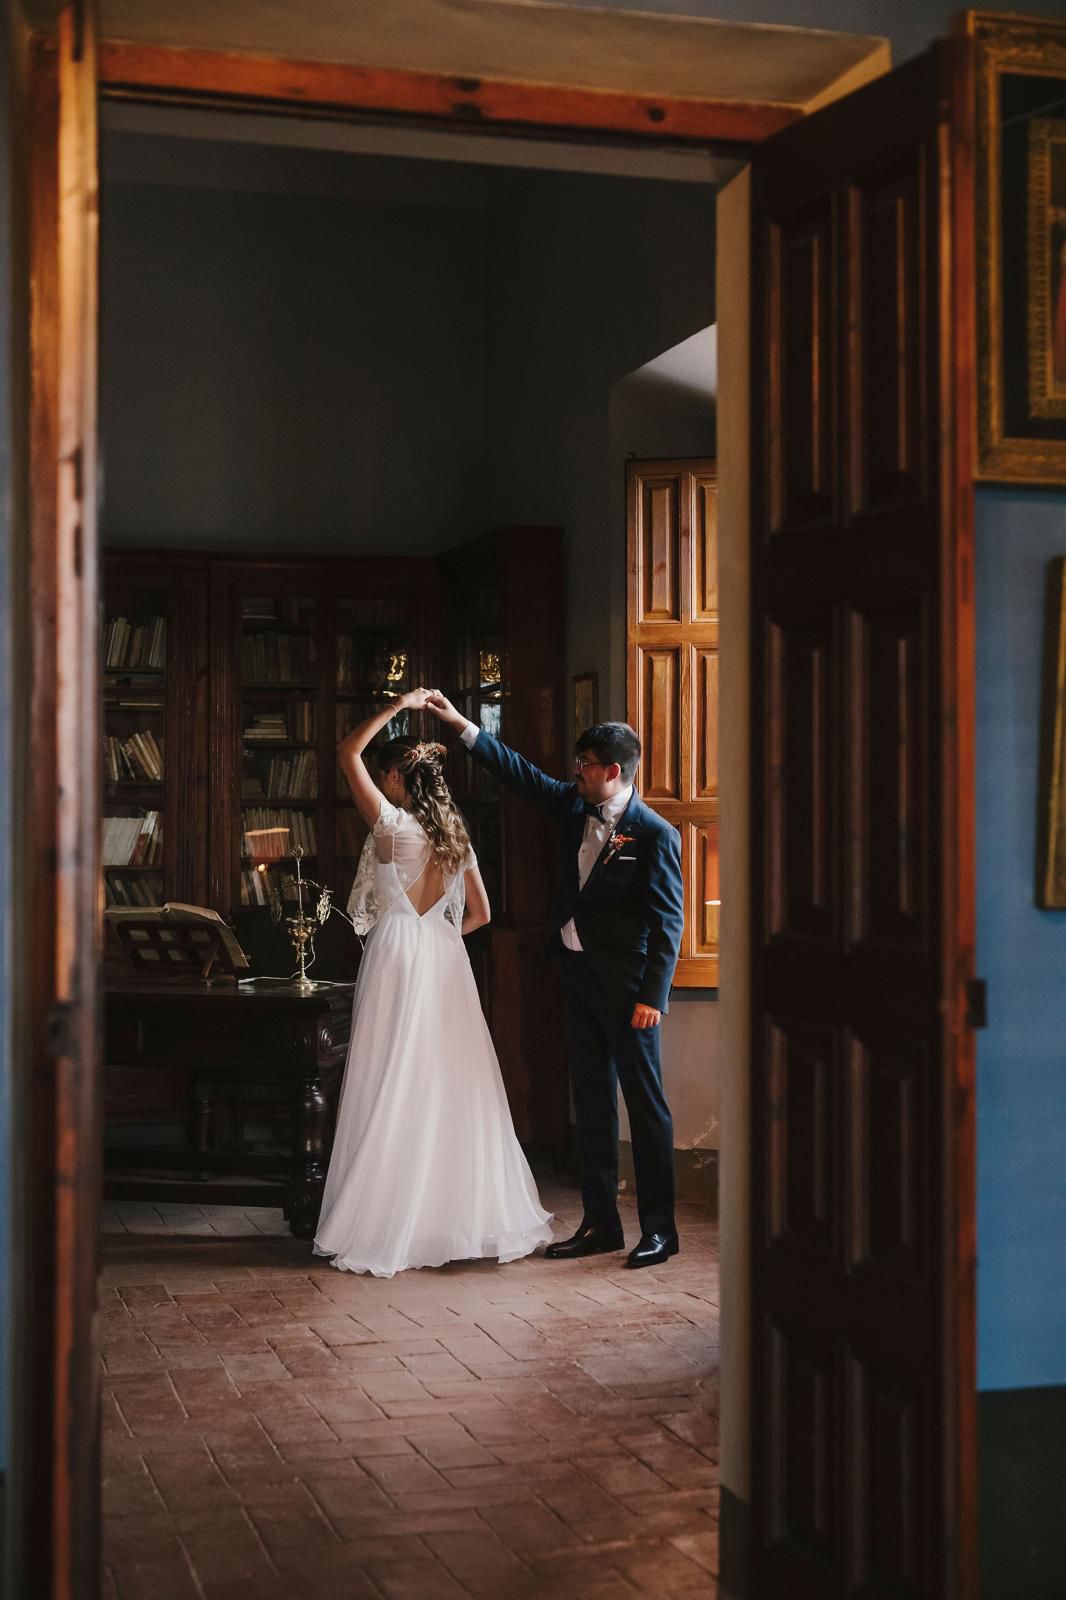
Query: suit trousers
604, 1050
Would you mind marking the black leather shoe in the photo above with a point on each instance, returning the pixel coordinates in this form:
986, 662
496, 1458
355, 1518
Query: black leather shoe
653, 1248
587, 1241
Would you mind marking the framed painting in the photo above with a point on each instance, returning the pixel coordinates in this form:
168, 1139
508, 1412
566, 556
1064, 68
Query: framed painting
1021, 247
1051, 842
584, 705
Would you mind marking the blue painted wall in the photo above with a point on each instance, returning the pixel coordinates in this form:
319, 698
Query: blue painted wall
1021, 1062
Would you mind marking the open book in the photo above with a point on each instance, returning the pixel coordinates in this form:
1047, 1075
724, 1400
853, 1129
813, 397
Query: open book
176, 935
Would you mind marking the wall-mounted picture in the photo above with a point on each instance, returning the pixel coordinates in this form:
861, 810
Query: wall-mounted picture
1021, 231
585, 702
1051, 841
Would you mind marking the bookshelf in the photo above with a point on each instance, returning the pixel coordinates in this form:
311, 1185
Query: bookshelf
224, 723
134, 667
301, 651
153, 646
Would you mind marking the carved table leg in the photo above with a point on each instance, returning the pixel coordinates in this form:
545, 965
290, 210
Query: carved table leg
303, 1192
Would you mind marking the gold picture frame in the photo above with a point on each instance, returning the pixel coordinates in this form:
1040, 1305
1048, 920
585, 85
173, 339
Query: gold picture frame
1051, 842
1021, 246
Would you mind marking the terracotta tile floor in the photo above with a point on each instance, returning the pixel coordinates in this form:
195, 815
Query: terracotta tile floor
274, 1428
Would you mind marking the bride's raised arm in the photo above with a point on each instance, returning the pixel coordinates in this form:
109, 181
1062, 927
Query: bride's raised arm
365, 791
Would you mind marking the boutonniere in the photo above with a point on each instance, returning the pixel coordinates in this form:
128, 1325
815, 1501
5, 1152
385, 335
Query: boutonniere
615, 843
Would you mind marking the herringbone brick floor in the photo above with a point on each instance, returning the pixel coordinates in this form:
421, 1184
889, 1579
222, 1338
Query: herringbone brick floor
274, 1428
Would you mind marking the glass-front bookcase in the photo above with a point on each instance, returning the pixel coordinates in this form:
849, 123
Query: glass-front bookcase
134, 837
375, 654
280, 784
302, 653
481, 689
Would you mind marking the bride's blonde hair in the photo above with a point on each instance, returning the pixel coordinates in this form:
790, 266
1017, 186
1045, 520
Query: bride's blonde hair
431, 799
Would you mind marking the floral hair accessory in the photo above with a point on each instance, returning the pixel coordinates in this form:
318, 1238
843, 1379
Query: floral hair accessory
426, 751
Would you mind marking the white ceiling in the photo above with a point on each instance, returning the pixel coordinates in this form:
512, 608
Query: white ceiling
522, 40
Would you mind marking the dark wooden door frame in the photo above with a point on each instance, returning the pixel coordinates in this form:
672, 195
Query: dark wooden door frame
64, 1188
55, 1528
130, 70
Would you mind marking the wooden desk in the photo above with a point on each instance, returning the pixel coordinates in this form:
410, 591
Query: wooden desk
228, 1047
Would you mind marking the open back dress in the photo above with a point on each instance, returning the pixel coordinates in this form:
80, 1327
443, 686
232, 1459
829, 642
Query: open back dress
426, 1167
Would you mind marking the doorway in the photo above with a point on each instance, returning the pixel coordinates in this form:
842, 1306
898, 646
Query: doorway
471, 90
326, 354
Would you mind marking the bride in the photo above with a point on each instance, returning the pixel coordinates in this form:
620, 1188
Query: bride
426, 1167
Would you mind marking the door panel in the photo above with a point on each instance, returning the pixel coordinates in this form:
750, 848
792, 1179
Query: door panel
888, 215
802, 756
673, 679
802, 400
860, 504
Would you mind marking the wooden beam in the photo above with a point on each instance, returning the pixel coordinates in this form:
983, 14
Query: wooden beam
138, 70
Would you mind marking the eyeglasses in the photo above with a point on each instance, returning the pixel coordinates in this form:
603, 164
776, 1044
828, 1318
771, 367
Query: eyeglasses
581, 762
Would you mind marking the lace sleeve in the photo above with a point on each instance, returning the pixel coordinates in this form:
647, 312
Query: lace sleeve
363, 904
389, 818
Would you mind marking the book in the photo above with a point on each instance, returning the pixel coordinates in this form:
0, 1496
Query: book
177, 914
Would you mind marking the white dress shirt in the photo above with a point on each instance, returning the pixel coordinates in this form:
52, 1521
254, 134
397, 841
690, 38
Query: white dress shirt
596, 835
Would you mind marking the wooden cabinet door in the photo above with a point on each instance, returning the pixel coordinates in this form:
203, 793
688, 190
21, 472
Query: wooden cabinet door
862, 1248
672, 679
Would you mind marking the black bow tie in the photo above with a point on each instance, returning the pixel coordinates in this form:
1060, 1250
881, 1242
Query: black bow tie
594, 811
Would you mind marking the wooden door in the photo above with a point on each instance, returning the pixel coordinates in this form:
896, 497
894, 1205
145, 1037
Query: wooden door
672, 679
862, 715
55, 1500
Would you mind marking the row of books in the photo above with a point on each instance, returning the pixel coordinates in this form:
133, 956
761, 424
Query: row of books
139, 889
141, 645
271, 657
269, 832
292, 777
133, 841
293, 724
137, 758
256, 887
272, 885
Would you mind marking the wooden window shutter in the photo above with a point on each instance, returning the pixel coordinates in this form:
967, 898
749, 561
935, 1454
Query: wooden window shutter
672, 678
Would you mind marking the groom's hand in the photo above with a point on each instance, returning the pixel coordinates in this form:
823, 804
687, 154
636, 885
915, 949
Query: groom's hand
645, 1016
442, 707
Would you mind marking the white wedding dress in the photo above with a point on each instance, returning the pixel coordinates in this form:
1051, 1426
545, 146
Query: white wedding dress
426, 1167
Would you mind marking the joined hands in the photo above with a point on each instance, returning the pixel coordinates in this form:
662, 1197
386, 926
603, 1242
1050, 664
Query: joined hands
433, 700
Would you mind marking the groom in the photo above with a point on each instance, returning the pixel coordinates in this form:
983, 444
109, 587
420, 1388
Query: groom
616, 917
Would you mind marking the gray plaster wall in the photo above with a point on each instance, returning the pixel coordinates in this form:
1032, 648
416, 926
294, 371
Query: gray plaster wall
590, 279
289, 372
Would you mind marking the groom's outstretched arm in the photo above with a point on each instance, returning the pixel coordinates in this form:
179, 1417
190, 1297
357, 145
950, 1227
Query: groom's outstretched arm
506, 764
518, 773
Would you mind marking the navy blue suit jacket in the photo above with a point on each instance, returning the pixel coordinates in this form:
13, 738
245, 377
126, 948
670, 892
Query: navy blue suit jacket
630, 913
